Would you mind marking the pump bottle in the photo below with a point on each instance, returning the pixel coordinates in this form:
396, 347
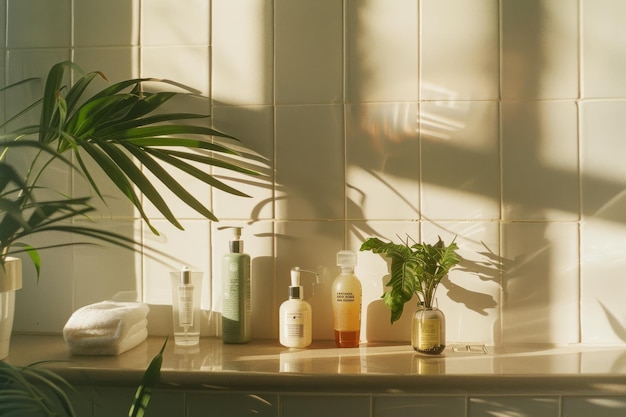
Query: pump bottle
296, 315
346, 300
236, 291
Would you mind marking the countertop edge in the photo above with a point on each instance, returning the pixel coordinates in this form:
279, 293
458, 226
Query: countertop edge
260, 368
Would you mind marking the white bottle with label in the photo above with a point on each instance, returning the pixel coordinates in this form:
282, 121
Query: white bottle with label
295, 315
346, 296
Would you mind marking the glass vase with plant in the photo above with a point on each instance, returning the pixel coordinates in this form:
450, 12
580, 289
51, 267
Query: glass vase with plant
417, 269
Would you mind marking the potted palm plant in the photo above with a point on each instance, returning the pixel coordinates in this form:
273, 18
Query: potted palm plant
116, 128
417, 269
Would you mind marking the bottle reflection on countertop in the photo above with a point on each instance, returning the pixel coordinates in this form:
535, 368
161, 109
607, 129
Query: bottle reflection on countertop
352, 364
428, 365
213, 358
296, 361
187, 357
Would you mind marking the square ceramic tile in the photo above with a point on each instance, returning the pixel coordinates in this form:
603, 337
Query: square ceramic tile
327, 405
232, 404
308, 51
48, 24
190, 247
105, 272
242, 40
311, 245
46, 304
175, 24
405, 406
254, 127
602, 313
470, 296
602, 167
509, 406
540, 49
540, 178
116, 63
114, 23
22, 64
187, 65
460, 158
381, 50
309, 162
81, 399
459, 64
603, 48
382, 156
540, 283
590, 406
373, 272
258, 243
112, 401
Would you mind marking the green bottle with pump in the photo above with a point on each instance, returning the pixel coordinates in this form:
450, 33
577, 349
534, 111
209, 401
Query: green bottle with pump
235, 291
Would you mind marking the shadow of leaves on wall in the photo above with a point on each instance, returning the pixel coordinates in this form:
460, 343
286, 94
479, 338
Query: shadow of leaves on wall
489, 268
618, 328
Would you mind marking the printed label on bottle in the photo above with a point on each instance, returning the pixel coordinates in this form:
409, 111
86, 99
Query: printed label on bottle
294, 324
428, 334
185, 306
345, 297
347, 311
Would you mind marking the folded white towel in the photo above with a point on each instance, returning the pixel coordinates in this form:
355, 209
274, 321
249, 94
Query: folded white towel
106, 328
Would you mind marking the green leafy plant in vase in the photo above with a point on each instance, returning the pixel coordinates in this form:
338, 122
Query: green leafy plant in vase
417, 269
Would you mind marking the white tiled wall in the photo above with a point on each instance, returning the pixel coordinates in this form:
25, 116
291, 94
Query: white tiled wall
496, 121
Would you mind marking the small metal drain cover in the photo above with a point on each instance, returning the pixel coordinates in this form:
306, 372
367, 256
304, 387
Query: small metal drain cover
469, 348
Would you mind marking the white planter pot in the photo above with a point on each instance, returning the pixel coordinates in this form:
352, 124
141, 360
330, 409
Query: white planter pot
10, 280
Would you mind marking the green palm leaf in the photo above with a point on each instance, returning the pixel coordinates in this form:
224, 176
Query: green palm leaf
32, 390
144, 391
126, 133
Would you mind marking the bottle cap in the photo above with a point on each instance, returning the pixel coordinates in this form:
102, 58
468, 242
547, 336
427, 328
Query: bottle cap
185, 276
346, 258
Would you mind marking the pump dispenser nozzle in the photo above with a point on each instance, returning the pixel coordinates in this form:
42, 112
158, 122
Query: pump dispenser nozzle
236, 243
296, 290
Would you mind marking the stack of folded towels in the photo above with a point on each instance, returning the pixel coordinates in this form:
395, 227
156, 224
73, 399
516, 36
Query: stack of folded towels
106, 328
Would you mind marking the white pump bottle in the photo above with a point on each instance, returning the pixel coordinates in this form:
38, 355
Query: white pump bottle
296, 315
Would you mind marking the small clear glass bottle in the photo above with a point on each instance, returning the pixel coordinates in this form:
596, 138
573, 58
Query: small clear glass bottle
428, 330
186, 312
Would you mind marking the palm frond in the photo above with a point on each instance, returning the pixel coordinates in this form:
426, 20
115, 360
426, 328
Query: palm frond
33, 390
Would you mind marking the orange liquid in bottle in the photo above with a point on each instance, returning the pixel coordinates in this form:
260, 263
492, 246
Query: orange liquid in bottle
347, 338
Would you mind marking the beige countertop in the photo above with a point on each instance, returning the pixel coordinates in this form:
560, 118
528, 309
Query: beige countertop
264, 365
